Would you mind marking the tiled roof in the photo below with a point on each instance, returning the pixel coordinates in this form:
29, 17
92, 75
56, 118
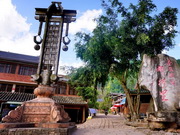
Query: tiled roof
116, 94
141, 92
18, 57
21, 97
18, 97
16, 78
68, 100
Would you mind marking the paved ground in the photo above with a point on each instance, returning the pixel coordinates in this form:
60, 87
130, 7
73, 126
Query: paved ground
112, 125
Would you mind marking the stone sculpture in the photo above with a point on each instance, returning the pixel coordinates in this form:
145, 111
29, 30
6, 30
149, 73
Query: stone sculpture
161, 76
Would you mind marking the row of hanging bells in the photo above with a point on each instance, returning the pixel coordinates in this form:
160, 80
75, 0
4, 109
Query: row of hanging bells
38, 40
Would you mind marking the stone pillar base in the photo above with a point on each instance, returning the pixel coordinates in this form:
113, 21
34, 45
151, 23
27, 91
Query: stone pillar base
16, 125
164, 120
38, 131
38, 110
39, 125
40, 113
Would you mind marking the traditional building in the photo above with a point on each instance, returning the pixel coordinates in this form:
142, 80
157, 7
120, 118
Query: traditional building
120, 104
16, 85
145, 104
15, 71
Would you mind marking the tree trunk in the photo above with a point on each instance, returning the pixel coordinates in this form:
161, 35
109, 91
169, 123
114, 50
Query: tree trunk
138, 105
130, 104
138, 101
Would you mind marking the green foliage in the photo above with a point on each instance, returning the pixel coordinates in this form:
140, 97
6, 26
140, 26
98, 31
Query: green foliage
106, 104
116, 46
178, 61
113, 86
93, 104
85, 83
89, 94
82, 76
85, 92
140, 30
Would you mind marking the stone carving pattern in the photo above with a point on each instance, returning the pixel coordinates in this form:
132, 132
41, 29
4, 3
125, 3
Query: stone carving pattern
36, 109
14, 115
58, 114
35, 118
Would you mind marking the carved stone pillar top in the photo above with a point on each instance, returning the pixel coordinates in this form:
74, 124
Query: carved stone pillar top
44, 91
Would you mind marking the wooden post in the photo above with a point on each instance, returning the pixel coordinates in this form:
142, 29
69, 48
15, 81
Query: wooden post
67, 89
13, 88
83, 115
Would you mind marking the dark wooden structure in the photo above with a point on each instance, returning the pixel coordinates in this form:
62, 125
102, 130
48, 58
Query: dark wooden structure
145, 100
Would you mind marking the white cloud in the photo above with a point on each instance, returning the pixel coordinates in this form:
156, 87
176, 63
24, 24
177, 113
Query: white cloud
12, 24
15, 33
164, 51
85, 22
76, 64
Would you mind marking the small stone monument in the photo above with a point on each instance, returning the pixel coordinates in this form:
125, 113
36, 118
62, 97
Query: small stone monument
161, 76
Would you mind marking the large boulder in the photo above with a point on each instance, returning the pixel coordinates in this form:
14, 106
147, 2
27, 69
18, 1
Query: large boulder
161, 76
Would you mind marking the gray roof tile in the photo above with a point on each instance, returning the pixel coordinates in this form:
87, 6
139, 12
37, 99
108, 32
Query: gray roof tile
21, 97
18, 57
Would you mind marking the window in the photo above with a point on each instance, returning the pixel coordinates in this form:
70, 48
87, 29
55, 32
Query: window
145, 98
20, 88
24, 70
72, 92
60, 89
25, 89
6, 87
7, 68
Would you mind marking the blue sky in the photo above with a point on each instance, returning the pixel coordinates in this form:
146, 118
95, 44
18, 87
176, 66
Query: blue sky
18, 26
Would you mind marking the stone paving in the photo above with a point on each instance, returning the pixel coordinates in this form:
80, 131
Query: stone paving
112, 125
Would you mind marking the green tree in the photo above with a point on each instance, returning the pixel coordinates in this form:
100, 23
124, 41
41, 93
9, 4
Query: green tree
116, 46
88, 94
85, 84
178, 61
106, 103
113, 86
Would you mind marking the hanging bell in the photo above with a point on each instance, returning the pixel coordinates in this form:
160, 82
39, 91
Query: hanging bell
37, 47
65, 48
66, 40
38, 39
